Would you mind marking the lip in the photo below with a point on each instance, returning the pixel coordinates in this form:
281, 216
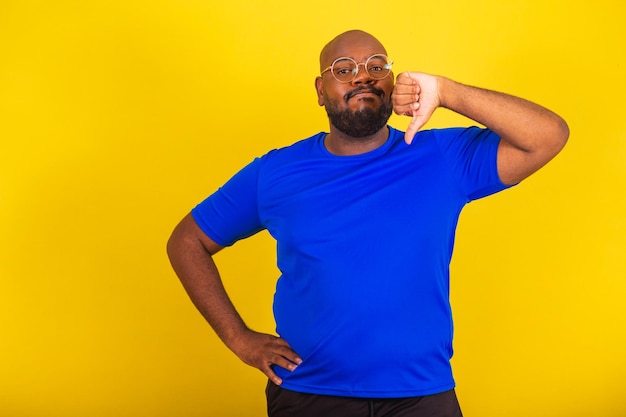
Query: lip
365, 93
362, 93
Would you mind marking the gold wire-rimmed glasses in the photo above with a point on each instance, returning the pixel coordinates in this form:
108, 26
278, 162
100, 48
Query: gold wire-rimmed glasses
345, 69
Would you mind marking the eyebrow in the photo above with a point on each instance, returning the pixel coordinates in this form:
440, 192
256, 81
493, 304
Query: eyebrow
364, 59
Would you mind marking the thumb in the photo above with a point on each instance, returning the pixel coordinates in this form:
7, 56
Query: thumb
416, 123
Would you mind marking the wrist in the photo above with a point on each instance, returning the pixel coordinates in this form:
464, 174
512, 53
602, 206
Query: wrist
234, 337
445, 88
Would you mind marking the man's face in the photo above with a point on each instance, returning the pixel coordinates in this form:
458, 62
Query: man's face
363, 106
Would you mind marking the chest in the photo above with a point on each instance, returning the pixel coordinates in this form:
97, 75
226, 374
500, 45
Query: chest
312, 199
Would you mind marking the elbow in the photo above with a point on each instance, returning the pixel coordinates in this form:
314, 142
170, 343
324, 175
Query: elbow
172, 247
563, 133
179, 241
557, 136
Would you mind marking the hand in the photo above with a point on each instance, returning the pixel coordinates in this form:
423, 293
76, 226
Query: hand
262, 350
415, 94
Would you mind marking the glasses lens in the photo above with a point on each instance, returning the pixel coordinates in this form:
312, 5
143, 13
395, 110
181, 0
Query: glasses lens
344, 69
378, 66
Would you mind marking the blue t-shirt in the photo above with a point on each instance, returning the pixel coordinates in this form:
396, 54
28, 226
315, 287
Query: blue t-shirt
364, 245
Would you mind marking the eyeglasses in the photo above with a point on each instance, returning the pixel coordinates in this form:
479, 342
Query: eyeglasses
345, 69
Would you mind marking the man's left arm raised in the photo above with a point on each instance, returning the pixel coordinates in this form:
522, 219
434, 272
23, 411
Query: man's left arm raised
530, 134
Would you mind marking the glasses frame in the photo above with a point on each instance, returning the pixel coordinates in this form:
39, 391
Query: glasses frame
355, 71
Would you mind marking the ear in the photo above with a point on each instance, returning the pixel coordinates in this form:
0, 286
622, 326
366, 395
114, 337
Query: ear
320, 91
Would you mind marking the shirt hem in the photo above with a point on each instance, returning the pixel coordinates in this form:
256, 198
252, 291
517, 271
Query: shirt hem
366, 393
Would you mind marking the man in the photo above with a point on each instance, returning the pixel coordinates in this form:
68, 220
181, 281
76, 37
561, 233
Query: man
364, 219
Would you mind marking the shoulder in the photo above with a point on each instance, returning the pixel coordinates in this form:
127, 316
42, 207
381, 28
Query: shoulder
305, 146
458, 139
438, 134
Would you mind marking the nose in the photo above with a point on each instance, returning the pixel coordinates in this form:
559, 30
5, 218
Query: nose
362, 76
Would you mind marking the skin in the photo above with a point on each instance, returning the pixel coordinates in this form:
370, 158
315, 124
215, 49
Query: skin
531, 135
191, 255
358, 46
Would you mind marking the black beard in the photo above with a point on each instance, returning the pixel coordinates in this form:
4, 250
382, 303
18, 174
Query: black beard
360, 123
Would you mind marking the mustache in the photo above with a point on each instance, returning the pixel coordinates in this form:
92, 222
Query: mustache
364, 89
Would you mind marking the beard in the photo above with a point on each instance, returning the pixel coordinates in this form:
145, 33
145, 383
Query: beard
359, 123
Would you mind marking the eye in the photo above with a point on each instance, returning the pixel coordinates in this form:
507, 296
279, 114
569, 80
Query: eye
377, 64
343, 67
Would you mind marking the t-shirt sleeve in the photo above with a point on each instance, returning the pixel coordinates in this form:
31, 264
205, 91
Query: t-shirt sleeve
231, 213
471, 155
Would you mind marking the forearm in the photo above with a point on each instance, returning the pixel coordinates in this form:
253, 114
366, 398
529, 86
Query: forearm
524, 125
196, 269
191, 255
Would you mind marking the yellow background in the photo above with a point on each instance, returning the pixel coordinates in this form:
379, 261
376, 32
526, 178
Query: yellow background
116, 117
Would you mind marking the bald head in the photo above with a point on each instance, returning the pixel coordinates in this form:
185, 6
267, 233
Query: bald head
350, 44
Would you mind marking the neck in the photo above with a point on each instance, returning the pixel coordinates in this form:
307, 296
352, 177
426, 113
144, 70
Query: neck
338, 143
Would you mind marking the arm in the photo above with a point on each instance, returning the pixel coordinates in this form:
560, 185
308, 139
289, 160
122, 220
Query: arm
191, 254
531, 135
